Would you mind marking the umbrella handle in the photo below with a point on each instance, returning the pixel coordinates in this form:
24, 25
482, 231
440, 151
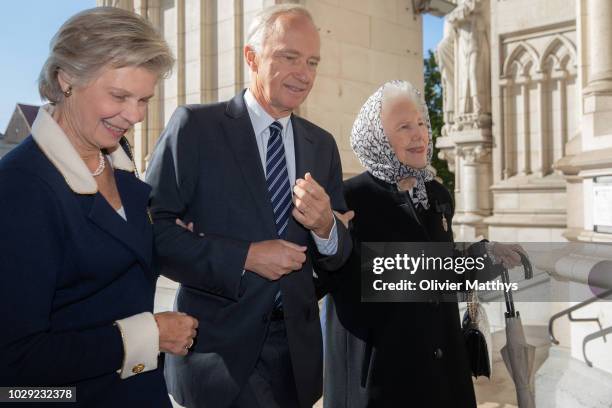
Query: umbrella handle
510, 312
526, 266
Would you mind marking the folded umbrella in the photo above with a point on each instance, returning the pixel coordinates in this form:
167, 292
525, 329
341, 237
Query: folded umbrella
518, 355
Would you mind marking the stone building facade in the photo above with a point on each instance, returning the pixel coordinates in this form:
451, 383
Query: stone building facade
528, 133
363, 44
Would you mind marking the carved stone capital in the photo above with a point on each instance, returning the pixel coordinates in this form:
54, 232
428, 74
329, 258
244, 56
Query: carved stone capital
448, 154
469, 121
473, 155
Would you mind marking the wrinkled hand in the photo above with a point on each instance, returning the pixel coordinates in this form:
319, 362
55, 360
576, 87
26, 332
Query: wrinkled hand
311, 206
346, 217
508, 254
275, 258
177, 332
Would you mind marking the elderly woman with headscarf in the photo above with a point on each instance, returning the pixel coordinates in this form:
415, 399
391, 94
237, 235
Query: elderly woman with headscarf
395, 354
77, 281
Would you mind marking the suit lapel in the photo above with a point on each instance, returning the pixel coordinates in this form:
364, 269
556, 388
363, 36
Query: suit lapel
241, 138
135, 197
135, 233
304, 149
304, 162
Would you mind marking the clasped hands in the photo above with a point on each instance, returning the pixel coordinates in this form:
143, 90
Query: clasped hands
311, 207
271, 259
274, 258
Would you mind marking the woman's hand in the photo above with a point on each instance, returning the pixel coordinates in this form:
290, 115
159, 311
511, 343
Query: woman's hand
346, 217
508, 254
177, 332
180, 223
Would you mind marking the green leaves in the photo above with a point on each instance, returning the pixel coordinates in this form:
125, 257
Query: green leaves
433, 97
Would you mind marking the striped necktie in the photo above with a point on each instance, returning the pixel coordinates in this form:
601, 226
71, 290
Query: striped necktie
277, 179
279, 188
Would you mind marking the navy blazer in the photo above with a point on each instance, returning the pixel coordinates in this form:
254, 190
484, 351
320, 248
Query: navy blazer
70, 266
207, 169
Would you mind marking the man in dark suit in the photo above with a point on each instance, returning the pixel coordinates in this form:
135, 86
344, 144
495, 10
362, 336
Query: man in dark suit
257, 187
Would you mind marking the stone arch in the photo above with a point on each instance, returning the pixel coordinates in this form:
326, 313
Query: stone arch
562, 52
523, 57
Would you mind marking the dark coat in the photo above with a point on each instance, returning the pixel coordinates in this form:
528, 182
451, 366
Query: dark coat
207, 170
393, 354
70, 266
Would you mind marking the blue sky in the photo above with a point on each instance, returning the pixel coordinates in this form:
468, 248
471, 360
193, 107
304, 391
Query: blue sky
433, 29
27, 27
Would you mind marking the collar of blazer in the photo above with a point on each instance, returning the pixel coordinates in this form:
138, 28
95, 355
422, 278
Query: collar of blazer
236, 108
260, 119
54, 143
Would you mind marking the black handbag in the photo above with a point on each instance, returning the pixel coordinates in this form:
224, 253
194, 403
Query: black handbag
476, 334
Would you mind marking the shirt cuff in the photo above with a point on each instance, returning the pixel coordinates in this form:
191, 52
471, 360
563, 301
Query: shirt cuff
140, 336
327, 246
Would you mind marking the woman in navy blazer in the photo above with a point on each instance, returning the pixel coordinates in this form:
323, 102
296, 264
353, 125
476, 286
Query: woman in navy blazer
77, 283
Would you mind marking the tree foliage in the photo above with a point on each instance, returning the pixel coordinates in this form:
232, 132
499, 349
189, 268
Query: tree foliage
433, 98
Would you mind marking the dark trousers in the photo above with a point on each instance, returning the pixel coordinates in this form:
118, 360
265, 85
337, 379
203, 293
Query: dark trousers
271, 385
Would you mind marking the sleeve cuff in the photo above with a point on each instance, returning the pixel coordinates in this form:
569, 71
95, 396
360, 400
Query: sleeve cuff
327, 246
140, 336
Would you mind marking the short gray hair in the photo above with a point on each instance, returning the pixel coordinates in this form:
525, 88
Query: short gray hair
260, 28
404, 89
100, 37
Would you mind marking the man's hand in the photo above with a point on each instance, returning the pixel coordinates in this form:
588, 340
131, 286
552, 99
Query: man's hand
273, 259
311, 206
346, 217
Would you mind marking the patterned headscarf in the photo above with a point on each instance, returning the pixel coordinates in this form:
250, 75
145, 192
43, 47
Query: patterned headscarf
372, 147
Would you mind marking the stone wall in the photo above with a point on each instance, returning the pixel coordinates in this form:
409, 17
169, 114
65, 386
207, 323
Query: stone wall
363, 44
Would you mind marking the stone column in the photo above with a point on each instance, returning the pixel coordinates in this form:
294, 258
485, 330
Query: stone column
475, 179
599, 25
124, 4
596, 29
542, 167
470, 177
591, 155
464, 57
153, 120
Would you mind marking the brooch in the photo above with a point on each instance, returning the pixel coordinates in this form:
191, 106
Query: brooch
444, 209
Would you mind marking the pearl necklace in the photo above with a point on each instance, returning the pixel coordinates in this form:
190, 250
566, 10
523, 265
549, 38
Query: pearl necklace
101, 165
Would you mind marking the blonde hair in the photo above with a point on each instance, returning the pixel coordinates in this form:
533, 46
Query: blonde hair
260, 28
100, 37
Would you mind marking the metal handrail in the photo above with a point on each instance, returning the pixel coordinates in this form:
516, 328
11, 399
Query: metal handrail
573, 308
591, 337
